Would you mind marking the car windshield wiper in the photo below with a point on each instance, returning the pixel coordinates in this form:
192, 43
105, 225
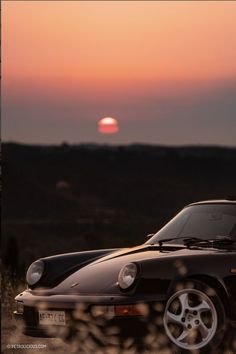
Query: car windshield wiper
216, 242
185, 239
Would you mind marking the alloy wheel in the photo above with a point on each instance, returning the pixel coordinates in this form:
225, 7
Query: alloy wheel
190, 319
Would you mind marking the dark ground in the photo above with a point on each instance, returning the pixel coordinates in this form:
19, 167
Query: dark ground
67, 198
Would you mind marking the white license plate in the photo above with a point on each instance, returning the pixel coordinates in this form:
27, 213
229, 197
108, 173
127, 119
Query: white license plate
57, 318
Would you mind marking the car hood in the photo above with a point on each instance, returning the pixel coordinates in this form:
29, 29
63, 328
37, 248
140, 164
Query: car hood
100, 276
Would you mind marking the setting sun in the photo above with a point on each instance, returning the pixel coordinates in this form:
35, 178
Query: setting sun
108, 125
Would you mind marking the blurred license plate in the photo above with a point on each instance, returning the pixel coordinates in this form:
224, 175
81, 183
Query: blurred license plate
57, 318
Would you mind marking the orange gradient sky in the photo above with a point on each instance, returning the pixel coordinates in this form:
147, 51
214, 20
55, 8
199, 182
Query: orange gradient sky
81, 60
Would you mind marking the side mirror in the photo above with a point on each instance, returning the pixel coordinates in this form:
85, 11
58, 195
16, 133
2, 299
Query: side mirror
149, 236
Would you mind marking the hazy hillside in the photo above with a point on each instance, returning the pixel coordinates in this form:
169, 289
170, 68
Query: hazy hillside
64, 198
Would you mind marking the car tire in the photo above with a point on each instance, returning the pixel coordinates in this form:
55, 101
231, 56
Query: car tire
194, 318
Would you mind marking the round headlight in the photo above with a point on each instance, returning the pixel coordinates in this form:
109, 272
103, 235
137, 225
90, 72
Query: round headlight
35, 272
127, 275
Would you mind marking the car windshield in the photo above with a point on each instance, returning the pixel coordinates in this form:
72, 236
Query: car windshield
205, 221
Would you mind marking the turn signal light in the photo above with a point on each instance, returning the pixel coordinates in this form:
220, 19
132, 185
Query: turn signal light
128, 310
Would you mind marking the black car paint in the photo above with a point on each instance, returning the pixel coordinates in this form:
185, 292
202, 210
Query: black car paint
91, 277
57, 268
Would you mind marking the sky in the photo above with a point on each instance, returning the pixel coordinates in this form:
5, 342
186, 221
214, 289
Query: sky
165, 70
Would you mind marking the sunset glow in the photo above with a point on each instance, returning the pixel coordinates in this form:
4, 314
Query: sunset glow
119, 40
160, 64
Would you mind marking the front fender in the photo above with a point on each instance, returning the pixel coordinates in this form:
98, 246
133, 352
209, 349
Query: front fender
58, 267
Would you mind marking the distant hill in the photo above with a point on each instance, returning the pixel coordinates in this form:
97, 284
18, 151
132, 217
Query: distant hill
69, 197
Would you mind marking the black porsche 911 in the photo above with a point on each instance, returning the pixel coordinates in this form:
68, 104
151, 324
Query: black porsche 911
186, 272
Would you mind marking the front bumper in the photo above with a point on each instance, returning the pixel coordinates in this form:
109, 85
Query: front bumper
128, 325
70, 301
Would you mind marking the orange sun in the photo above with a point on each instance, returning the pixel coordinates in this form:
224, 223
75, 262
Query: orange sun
108, 125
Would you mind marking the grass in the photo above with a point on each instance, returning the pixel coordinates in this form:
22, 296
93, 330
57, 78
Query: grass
89, 335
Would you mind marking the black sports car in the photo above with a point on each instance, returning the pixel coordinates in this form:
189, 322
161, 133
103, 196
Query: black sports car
186, 273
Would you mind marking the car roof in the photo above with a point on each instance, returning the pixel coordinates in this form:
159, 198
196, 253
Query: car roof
215, 201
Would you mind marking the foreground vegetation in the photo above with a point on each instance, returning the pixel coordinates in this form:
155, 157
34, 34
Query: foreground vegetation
89, 334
